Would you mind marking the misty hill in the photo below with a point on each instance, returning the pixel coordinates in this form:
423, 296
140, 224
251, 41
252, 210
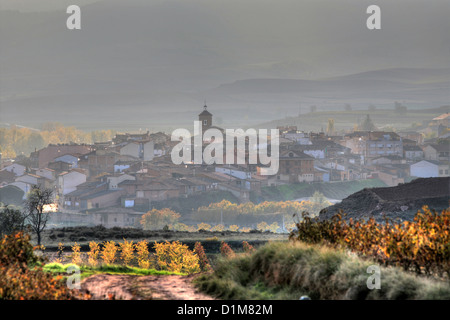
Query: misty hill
414, 87
402, 201
149, 64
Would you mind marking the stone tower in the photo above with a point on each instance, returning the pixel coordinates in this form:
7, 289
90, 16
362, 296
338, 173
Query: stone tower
206, 119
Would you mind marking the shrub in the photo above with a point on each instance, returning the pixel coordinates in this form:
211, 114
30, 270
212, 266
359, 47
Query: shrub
248, 248
142, 254
218, 227
423, 244
94, 250
16, 248
226, 250
109, 252
202, 259
157, 219
126, 251
176, 257
21, 278
262, 226
76, 255
203, 226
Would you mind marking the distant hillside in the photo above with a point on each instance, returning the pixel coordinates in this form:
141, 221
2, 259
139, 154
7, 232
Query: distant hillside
415, 87
402, 201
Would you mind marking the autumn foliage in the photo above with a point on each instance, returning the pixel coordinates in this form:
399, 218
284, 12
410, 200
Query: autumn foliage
176, 257
225, 250
202, 259
422, 245
21, 277
158, 219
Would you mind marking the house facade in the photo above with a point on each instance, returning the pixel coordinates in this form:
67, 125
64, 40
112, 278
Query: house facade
68, 181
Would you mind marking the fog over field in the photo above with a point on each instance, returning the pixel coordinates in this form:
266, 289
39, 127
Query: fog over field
152, 64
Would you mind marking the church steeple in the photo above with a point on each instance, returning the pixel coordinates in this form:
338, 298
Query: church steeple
206, 118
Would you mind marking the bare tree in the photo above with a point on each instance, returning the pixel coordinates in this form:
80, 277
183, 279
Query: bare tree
34, 209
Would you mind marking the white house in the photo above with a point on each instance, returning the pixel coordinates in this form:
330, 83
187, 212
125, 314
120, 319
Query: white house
143, 150
16, 168
425, 169
232, 171
68, 181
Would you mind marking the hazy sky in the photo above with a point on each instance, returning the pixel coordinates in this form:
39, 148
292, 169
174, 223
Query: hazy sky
40, 5
171, 52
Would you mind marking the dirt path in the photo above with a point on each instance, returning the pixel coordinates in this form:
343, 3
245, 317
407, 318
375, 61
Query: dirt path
126, 287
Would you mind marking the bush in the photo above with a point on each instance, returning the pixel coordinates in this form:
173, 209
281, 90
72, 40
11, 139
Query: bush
17, 249
21, 278
203, 260
423, 244
225, 250
176, 257
94, 250
126, 251
158, 219
109, 252
76, 254
142, 254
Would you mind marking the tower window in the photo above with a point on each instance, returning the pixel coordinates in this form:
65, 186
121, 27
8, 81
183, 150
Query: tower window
205, 122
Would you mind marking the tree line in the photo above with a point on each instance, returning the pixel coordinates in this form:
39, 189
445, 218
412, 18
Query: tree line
16, 141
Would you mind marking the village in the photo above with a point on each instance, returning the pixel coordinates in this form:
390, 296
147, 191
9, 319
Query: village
113, 183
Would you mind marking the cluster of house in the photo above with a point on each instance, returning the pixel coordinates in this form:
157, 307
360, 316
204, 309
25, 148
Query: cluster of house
135, 170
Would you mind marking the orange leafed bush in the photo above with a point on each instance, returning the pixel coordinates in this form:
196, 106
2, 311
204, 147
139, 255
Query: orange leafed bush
109, 252
176, 257
94, 250
247, 247
22, 279
158, 219
126, 251
76, 254
422, 244
203, 260
226, 250
142, 254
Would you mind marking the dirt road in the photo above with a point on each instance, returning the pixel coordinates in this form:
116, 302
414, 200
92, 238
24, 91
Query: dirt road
126, 287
